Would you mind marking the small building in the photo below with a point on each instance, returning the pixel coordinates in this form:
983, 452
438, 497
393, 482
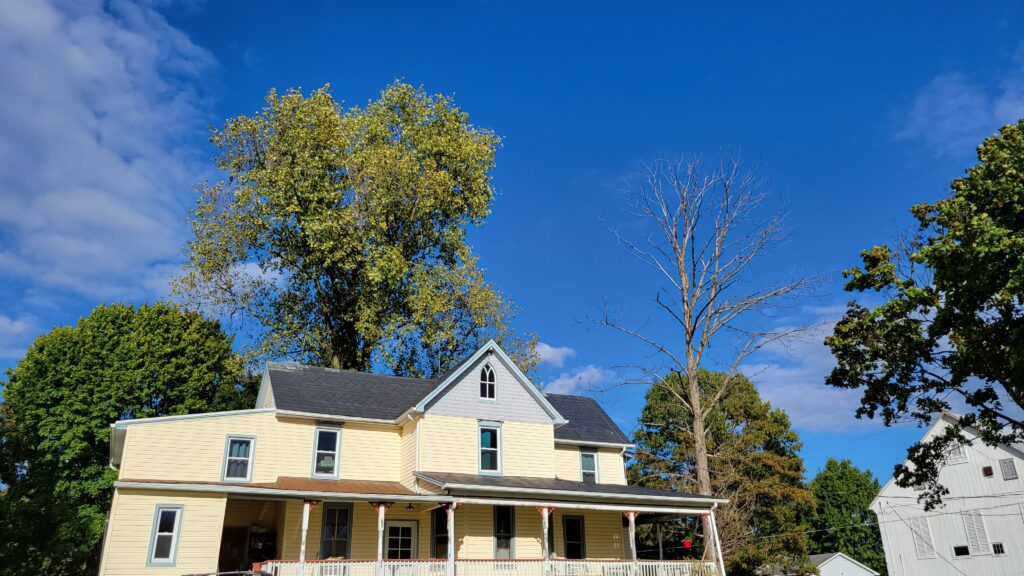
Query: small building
839, 564
341, 473
978, 529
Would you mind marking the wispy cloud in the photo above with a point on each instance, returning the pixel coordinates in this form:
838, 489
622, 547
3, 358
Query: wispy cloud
579, 380
555, 356
953, 114
14, 335
96, 156
792, 377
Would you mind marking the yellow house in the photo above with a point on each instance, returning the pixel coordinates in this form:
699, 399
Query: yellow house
345, 473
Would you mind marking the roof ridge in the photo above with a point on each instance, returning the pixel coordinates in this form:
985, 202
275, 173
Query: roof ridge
297, 365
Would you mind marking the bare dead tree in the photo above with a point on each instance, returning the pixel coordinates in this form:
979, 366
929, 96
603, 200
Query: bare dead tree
707, 226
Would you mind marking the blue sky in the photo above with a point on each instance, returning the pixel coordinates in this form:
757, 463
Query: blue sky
854, 114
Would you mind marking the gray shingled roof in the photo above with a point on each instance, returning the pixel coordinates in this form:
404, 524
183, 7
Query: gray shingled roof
588, 422
479, 483
363, 395
344, 392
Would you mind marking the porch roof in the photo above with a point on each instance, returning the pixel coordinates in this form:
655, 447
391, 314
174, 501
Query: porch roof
288, 484
554, 488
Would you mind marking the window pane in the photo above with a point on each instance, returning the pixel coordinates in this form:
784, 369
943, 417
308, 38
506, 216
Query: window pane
166, 523
483, 389
237, 468
162, 550
326, 440
488, 438
589, 478
587, 462
489, 460
239, 448
572, 530
324, 463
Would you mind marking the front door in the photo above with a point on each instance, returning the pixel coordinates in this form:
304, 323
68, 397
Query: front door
400, 540
234, 547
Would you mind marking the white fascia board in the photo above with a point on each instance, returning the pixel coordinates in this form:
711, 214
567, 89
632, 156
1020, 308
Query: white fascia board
279, 493
334, 418
197, 416
579, 505
597, 444
492, 346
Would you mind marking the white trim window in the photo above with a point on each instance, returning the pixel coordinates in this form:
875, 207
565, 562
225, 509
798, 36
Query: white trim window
326, 451
490, 447
487, 385
238, 455
163, 543
1008, 469
957, 454
588, 465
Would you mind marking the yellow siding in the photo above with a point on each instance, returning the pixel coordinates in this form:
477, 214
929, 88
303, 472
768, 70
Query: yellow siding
528, 534
567, 462
249, 513
408, 463
450, 444
610, 466
602, 531
131, 525
193, 449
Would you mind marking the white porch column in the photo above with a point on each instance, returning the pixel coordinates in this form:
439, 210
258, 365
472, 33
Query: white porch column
718, 542
302, 542
545, 513
450, 567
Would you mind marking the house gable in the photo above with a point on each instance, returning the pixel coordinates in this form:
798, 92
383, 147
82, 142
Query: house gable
515, 397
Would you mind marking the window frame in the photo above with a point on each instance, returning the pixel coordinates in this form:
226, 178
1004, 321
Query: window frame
511, 535
1013, 467
963, 546
172, 560
589, 451
957, 454
490, 385
1001, 551
480, 448
583, 536
337, 450
227, 454
347, 507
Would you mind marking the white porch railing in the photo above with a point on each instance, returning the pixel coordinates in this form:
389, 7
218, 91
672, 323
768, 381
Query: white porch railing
490, 568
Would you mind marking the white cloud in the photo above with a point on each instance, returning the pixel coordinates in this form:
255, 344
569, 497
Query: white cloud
792, 377
584, 378
99, 115
553, 355
14, 335
952, 115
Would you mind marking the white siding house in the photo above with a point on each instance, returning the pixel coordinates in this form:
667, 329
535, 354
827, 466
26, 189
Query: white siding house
979, 528
839, 564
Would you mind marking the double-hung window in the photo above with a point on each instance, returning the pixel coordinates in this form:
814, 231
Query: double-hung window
326, 448
490, 448
163, 543
1008, 469
574, 537
588, 465
487, 382
238, 455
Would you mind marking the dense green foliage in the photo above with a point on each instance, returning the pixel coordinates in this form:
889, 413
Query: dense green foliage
58, 403
754, 461
842, 521
339, 237
952, 324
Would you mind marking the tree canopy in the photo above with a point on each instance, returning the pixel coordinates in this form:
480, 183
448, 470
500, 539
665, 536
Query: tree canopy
58, 403
843, 521
950, 333
754, 461
339, 235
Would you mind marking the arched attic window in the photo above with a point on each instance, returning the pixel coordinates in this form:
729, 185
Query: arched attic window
487, 382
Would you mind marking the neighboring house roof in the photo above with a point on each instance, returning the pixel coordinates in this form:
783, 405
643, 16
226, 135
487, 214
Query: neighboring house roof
344, 392
820, 560
459, 484
588, 422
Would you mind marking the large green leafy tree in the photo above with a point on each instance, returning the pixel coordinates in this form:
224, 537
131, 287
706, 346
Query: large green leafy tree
58, 403
754, 461
843, 521
339, 235
951, 327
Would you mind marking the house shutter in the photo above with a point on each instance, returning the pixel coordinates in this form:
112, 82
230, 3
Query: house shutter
977, 539
1008, 468
922, 538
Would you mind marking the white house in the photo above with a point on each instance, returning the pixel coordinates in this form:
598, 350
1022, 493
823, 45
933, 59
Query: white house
839, 564
979, 528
